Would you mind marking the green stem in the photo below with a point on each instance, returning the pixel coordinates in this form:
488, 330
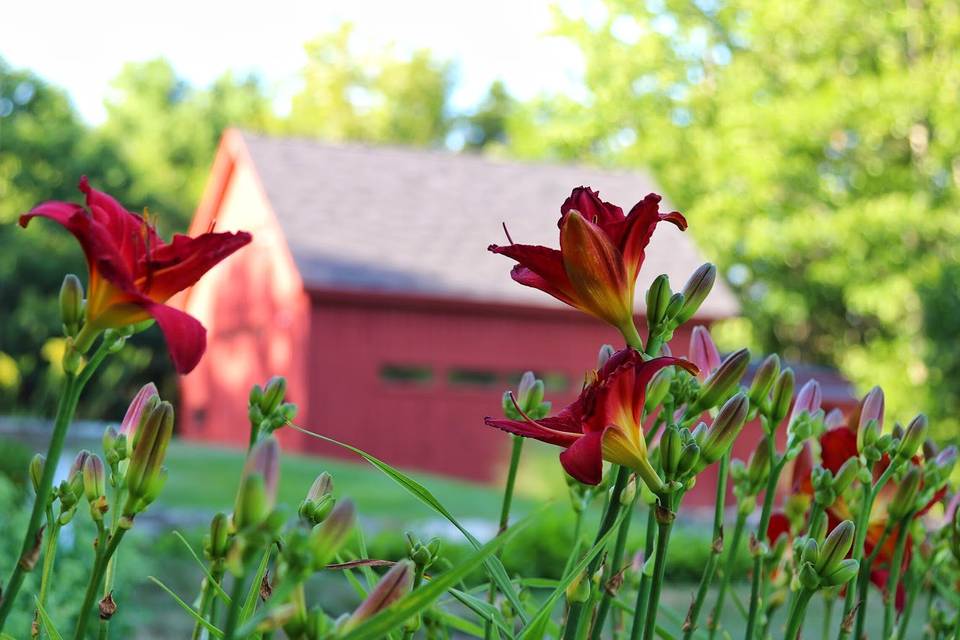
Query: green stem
914, 583
690, 625
643, 590
27, 558
49, 554
614, 565
890, 597
207, 601
233, 613
112, 562
863, 514
797, 614
759, 557
575, 550
829, 600
609, 517
93, 586
665, 518
713, 622
515, 452
864, 593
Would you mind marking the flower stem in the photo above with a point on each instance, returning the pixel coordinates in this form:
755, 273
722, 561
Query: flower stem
690, 624
614, 565
31, 539
797, 614
913, 591
609, 517
890, 597
643, 590
869, 495
863, 594
207, 598
49, 555
515, 452
829, 599
714, 620
233, 613
759, 555
93, 586
665, 517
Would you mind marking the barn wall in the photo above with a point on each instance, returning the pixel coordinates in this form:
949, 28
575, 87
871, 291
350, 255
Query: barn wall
256, 315
359, 350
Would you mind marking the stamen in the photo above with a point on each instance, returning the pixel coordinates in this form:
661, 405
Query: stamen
516, 406
212, 225
507, 232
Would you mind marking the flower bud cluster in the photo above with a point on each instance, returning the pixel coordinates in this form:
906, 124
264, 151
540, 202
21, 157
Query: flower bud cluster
827, 487
667, 310
823, 564
266, 408
750, 479
319, 501
422, 555
528, 399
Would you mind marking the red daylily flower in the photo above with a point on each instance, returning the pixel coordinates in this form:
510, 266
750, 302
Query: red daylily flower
601, 251
133, 272
604, 423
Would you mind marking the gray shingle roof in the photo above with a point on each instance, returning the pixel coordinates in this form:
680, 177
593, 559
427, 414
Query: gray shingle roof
412, 221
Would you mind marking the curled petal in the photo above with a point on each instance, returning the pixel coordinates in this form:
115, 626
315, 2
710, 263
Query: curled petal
587, 202
638, 229
543, 430
186, 337
179, 265
583, 459
540, 268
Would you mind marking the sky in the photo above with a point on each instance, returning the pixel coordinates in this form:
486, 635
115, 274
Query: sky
82, 46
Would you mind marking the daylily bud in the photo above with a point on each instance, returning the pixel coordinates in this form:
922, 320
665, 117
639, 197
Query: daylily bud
696, 290
670, 448
703, 352
898, 431
818, 528
781, 398
845, 475
150, 448
809, 577
843, 573
75, 475
907, 490
658, 389
834, 419
913, 437
946, 460
110, 435
71, 304
256, 396
273, 394
689, 457
808, 400
606, 351
658, 297
929, 450
217, 541
810, 552
674, 306
763, 379
835, 547
726, 427
759, 465
146, 398
36, 471
327, 538
94, 479
870, 421
395, 584
722, 382
258, 484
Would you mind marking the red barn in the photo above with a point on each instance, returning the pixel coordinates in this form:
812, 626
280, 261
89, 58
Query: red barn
368, 285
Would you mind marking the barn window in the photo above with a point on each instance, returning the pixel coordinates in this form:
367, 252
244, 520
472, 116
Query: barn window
473, 377
553, 381
406, 374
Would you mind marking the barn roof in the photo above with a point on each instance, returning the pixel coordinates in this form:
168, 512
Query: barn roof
399, 220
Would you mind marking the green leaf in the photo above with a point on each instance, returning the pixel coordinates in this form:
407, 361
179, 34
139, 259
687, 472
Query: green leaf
206, 572
482, 608
250, 604
456, 622
413, 603
46, 622
537, 626
493, 565
215, 632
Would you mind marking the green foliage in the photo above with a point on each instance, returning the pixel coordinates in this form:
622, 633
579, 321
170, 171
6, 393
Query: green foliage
14, 462
813, 148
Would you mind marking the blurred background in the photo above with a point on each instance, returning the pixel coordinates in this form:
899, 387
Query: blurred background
814, 147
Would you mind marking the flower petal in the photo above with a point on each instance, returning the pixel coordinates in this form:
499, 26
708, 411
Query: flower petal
548, 432
583, 459
837, 446
595, 270
186, 337
539, 267
587, 202
779, 525
178, 265
638, 228
129, 233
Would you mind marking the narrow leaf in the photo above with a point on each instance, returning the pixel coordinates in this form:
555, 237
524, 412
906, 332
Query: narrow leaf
493, 565
203, 567
250, 604
46, 622
215, 632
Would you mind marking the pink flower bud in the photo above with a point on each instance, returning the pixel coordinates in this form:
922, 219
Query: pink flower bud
703, 352
395, 584
808, 400
135, 411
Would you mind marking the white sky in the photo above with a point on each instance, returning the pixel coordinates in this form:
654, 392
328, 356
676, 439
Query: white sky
81, 46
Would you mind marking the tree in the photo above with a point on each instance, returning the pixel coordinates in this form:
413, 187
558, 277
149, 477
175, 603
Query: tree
371, 97
814, 147
487, 125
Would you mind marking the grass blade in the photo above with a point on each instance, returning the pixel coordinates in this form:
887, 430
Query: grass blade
250, 604
393, 616
215, 632
493, 565
47, 623
203, 567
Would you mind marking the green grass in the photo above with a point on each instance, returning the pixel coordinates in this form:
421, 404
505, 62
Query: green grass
205, 477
